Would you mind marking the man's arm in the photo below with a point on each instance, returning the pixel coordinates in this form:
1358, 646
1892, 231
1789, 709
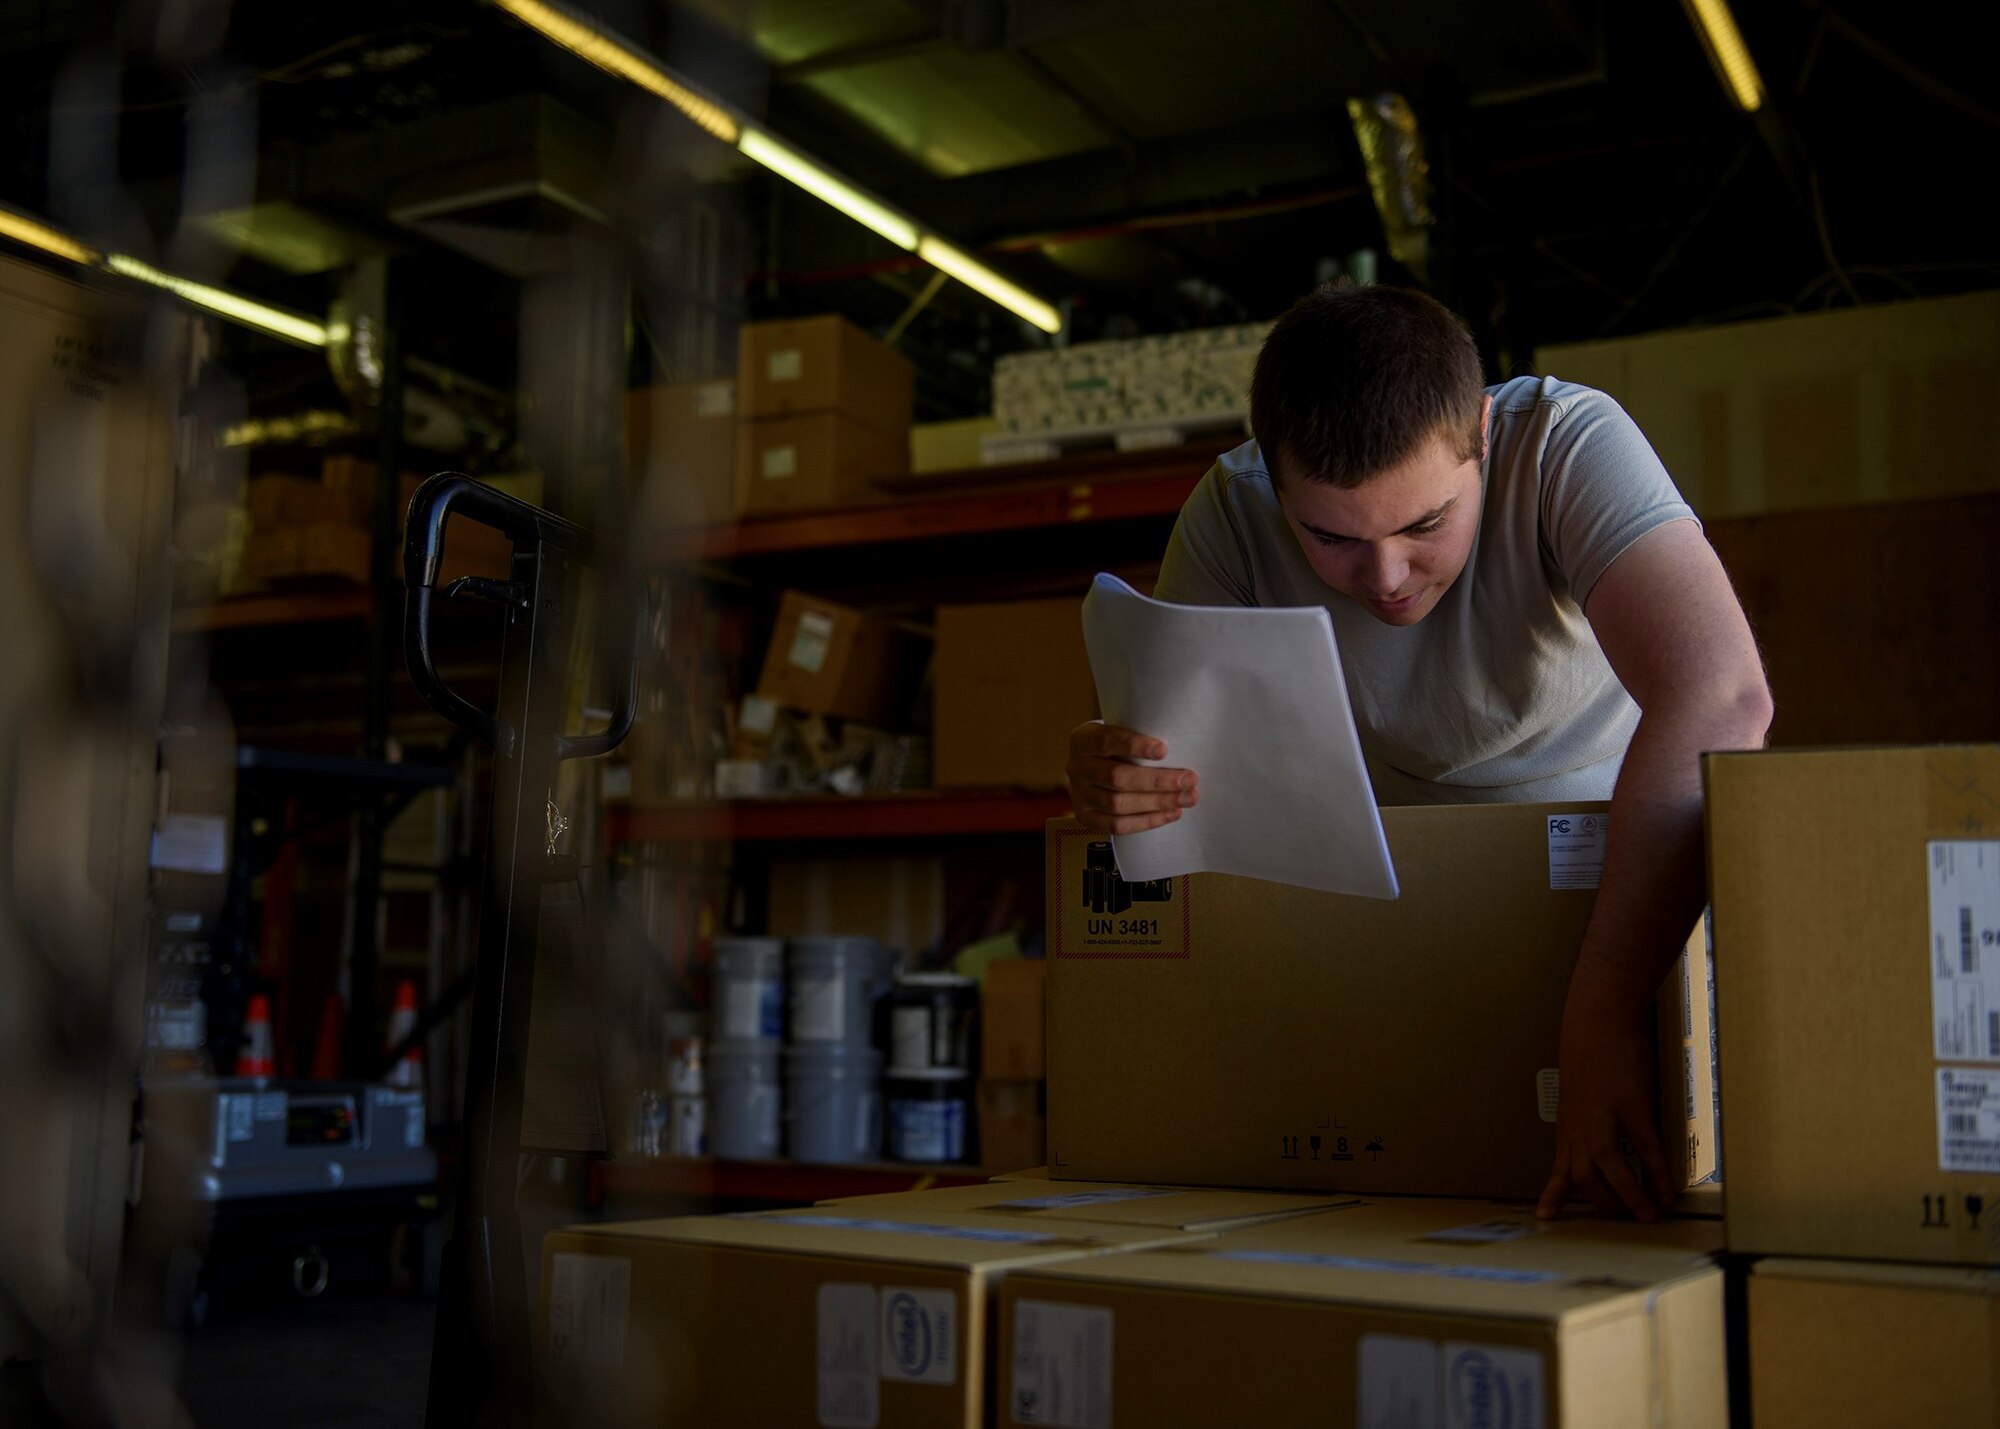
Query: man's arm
1676, 637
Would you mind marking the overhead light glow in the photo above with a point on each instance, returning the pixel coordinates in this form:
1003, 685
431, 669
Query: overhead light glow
977, 276
23, 229
1727, 52
275, 321
582, 38
781, 159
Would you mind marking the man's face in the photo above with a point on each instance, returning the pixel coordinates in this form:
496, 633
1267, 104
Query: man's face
1395, 543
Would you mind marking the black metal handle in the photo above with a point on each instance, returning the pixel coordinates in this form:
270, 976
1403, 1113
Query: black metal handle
453, 493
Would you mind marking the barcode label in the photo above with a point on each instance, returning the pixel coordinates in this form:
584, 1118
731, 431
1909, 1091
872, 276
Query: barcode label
1968, 1119
1964, 925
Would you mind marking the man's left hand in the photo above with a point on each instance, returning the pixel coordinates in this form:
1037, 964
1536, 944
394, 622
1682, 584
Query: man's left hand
1606, 1105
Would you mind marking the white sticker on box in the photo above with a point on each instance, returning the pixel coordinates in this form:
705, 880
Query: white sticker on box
1396, 1383
1968, 1100
787, 364
849, 1384
1965, 948
1062, 1365
920, 1335
192, 843
715, 399
780, 462
1548, 1093
590, 1305
1488, 1386
810, 644
1576, 849
760, 716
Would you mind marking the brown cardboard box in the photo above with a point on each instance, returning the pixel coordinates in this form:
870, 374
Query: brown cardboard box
816, 462
824, 364
1427, 1313
680, 445
277, 502
794, 1317
1168, 1207
830, 659
1857, 909
898, 901
350, 482
1872, 1346
325, 551
1224, 1031
1014, 1123
1013, 680
1013, 1013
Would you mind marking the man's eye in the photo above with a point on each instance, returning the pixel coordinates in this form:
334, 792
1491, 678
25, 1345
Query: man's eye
1326, 540
1430, 530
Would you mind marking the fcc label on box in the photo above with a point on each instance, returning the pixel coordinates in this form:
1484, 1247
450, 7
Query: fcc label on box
1965, 948
1968, 1100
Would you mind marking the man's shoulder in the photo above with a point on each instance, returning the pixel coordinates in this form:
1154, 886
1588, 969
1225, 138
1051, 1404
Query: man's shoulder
1548, 399
1240, 463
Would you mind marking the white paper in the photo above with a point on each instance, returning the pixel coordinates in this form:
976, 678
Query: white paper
590, 1300
1968, 1102
1487, 1385
1965, 948
1062, 1365
920, 1335
849, 1386
1396, 1383
1254, 702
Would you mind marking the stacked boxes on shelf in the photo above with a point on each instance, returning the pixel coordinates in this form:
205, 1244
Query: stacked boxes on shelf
825, 412
1201, 376
1857, 924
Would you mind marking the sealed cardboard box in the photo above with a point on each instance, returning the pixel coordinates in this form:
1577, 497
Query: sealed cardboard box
1169, 1207
831, 1317
1857, 940
948, 446
1013, 1012
680, 445
1872, 1346
824, 364
1402, 1313
1225, 1031
324, 551
1013, 679
815, 462
831, 659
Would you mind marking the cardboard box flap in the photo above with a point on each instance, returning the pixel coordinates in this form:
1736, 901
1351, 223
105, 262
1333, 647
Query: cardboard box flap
940, 1238
1059, 1203
1383, 1254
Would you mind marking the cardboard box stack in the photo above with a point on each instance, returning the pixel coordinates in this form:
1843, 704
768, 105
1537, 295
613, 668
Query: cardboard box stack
1013, 1086
825, 411
1093, 386
680, 447
1012, 680
310, 528
1856, 900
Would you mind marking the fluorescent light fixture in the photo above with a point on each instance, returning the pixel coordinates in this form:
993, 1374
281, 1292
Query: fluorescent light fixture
789, 162
581, 37
275, 321
1727, 52
584, 37
22, 229
977, 276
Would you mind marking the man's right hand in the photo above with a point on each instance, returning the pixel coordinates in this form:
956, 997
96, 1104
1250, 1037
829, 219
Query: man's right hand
1114, 795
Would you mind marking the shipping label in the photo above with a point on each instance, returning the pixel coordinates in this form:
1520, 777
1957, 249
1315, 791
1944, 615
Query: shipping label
811, 643
849, 1385
1576, 849
1396, 1383
1965, 948
1493, 1387
920, 1335
1062, 1365
1968, 1102
590, 1301
1103, 916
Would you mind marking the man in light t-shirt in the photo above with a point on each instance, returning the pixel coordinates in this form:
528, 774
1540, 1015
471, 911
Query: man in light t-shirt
1527, 611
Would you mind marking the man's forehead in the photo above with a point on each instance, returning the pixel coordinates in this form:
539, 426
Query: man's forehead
1380, 507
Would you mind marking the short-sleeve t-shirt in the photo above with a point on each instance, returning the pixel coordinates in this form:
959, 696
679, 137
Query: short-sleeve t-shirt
1500, 694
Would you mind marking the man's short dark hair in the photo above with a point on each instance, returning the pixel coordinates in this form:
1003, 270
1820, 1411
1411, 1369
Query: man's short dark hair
1354, 380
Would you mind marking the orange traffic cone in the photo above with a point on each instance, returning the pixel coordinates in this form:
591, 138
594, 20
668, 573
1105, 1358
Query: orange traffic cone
409, 1068
254, 1060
